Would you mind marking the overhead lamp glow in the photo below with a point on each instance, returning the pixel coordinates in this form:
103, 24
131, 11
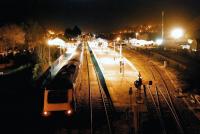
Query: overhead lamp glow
159, 41
51, 32
136, 35
190, 41
118, 38
56, 42
177, 33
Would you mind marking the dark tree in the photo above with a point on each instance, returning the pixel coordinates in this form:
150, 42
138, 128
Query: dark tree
35, 34
68, 33
77, 31
72, 33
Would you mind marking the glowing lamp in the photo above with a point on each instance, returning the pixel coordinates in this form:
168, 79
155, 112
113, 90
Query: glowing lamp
177, 33
118, 39
159, 41
190, 41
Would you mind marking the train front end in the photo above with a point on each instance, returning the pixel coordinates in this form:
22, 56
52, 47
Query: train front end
55, 101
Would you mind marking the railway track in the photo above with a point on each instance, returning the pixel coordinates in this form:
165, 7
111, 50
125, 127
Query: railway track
100, 106
163, 105
151, 122
153, 106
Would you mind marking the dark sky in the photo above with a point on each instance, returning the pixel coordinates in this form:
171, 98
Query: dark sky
99, 15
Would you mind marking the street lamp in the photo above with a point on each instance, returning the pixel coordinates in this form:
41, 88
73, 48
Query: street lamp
190, 41
120, 49
114, 46
49, 43
136, 35
121, 62
118, 39
177, 33
159, 41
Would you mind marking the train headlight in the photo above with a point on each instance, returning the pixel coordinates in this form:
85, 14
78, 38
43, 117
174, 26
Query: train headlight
45, 113
68, 112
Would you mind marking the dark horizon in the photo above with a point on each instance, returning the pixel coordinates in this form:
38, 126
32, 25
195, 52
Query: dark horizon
99, 15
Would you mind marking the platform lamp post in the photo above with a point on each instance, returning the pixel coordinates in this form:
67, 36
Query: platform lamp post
120, 49
115, 40
114, 46
120, 55
136, 35
163, 13
49, 44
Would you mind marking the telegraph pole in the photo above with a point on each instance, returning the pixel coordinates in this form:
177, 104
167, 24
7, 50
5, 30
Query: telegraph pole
163, 25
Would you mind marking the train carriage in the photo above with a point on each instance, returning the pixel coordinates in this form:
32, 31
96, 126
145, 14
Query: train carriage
59, 94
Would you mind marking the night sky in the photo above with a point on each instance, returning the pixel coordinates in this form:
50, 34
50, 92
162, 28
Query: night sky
99, 15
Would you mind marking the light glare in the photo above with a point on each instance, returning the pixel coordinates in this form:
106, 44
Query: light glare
69, 112
57, 42
190, 41
159, 41
118, 38
45, 113
177, 33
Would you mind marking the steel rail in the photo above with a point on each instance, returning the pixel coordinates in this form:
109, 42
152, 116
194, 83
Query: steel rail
101, 96
158, 106
90, 91
169, 102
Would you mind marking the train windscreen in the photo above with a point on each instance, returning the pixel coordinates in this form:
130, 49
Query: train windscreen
57, 96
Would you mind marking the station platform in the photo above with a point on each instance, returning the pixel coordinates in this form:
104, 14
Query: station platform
119, 74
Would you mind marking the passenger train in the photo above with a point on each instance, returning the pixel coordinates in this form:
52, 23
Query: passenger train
60, 93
